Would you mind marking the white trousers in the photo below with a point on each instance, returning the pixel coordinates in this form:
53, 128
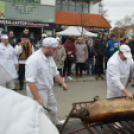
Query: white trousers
48, 99
9, 84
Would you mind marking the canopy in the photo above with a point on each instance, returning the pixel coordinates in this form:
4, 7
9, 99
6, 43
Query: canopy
75, 31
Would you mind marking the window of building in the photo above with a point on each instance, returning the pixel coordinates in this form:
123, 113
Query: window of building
72, 6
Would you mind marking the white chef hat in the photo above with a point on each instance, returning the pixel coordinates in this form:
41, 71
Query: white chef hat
51, 42
44, 35
4, 36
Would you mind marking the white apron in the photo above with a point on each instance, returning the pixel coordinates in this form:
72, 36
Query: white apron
8, 59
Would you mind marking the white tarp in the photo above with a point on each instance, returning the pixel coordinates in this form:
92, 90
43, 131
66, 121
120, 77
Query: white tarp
75, 31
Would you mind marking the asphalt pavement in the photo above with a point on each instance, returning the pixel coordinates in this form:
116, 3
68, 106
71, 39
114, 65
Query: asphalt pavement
80, 90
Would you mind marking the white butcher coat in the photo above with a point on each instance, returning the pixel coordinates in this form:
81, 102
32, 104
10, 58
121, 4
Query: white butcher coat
117, 75
8, 59
41, 70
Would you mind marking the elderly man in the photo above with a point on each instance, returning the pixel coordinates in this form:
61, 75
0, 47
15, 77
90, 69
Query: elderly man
8, 59
40, 70
118, 69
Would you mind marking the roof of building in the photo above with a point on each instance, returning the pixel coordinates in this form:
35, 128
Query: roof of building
74, 19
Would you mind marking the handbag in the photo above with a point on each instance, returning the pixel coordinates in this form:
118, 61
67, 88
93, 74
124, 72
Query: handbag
73, 59
85, 66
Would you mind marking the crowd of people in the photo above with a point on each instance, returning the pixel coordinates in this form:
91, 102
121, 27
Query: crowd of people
87, 53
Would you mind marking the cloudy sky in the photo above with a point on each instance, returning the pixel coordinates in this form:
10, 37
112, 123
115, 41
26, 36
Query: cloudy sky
118, 9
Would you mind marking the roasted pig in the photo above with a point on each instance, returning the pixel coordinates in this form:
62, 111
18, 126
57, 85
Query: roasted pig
103, 110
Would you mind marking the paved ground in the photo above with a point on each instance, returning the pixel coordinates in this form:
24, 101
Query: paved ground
78, 91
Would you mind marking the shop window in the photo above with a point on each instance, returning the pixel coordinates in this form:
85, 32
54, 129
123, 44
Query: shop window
65, 2
58, 2
72, 2
78, 9
85, 10
65, 8
71, 9
58, 7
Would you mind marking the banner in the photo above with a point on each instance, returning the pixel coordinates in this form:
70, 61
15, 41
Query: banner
2, 9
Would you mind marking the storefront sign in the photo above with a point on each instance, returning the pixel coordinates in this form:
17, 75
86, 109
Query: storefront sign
22, 23
96, 29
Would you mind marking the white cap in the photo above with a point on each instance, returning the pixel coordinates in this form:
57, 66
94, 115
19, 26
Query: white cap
51, 42
4, 36
44, 35
125, 49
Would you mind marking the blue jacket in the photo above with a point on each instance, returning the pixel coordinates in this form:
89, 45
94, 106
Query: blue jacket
112, 47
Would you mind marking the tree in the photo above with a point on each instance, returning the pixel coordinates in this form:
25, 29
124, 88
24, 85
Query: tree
103, 11
82, 18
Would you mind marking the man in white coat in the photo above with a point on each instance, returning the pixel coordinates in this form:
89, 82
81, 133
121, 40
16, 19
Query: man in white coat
9, 60
118, 69
40, 70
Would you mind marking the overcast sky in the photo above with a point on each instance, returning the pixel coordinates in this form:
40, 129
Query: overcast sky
118, 9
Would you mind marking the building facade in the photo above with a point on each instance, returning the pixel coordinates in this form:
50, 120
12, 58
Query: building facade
37, 15
80, 13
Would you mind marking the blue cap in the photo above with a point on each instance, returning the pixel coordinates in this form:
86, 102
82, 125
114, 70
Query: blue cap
3, 32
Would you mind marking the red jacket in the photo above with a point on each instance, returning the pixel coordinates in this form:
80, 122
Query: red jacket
69, 46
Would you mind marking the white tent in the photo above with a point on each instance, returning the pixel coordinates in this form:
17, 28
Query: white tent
75, 31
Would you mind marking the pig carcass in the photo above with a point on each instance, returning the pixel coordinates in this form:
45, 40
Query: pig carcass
103, 110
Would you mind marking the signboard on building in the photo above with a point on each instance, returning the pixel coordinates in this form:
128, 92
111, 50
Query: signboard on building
96, 29
2, 9
23, 23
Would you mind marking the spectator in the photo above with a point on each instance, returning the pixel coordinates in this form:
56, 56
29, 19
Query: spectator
91, 54
39, 43
70, 51
8, 59
81, 55
12, 40
125, 41
131, 45
2, 33
25, 32
23, 49
108, 37
112, 46
106, 59
59, 56
100, 51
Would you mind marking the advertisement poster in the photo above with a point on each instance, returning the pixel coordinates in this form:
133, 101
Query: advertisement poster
2, 9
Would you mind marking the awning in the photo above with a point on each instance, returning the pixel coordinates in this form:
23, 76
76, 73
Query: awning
76, 31
74, 19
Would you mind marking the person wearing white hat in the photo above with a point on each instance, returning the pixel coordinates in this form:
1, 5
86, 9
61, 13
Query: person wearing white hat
40, 42
40, 70
118, 69
9, 60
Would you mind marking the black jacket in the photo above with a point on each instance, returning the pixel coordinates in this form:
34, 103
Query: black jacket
19, 38
11, 41
131, 45
91, 53
100, 47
